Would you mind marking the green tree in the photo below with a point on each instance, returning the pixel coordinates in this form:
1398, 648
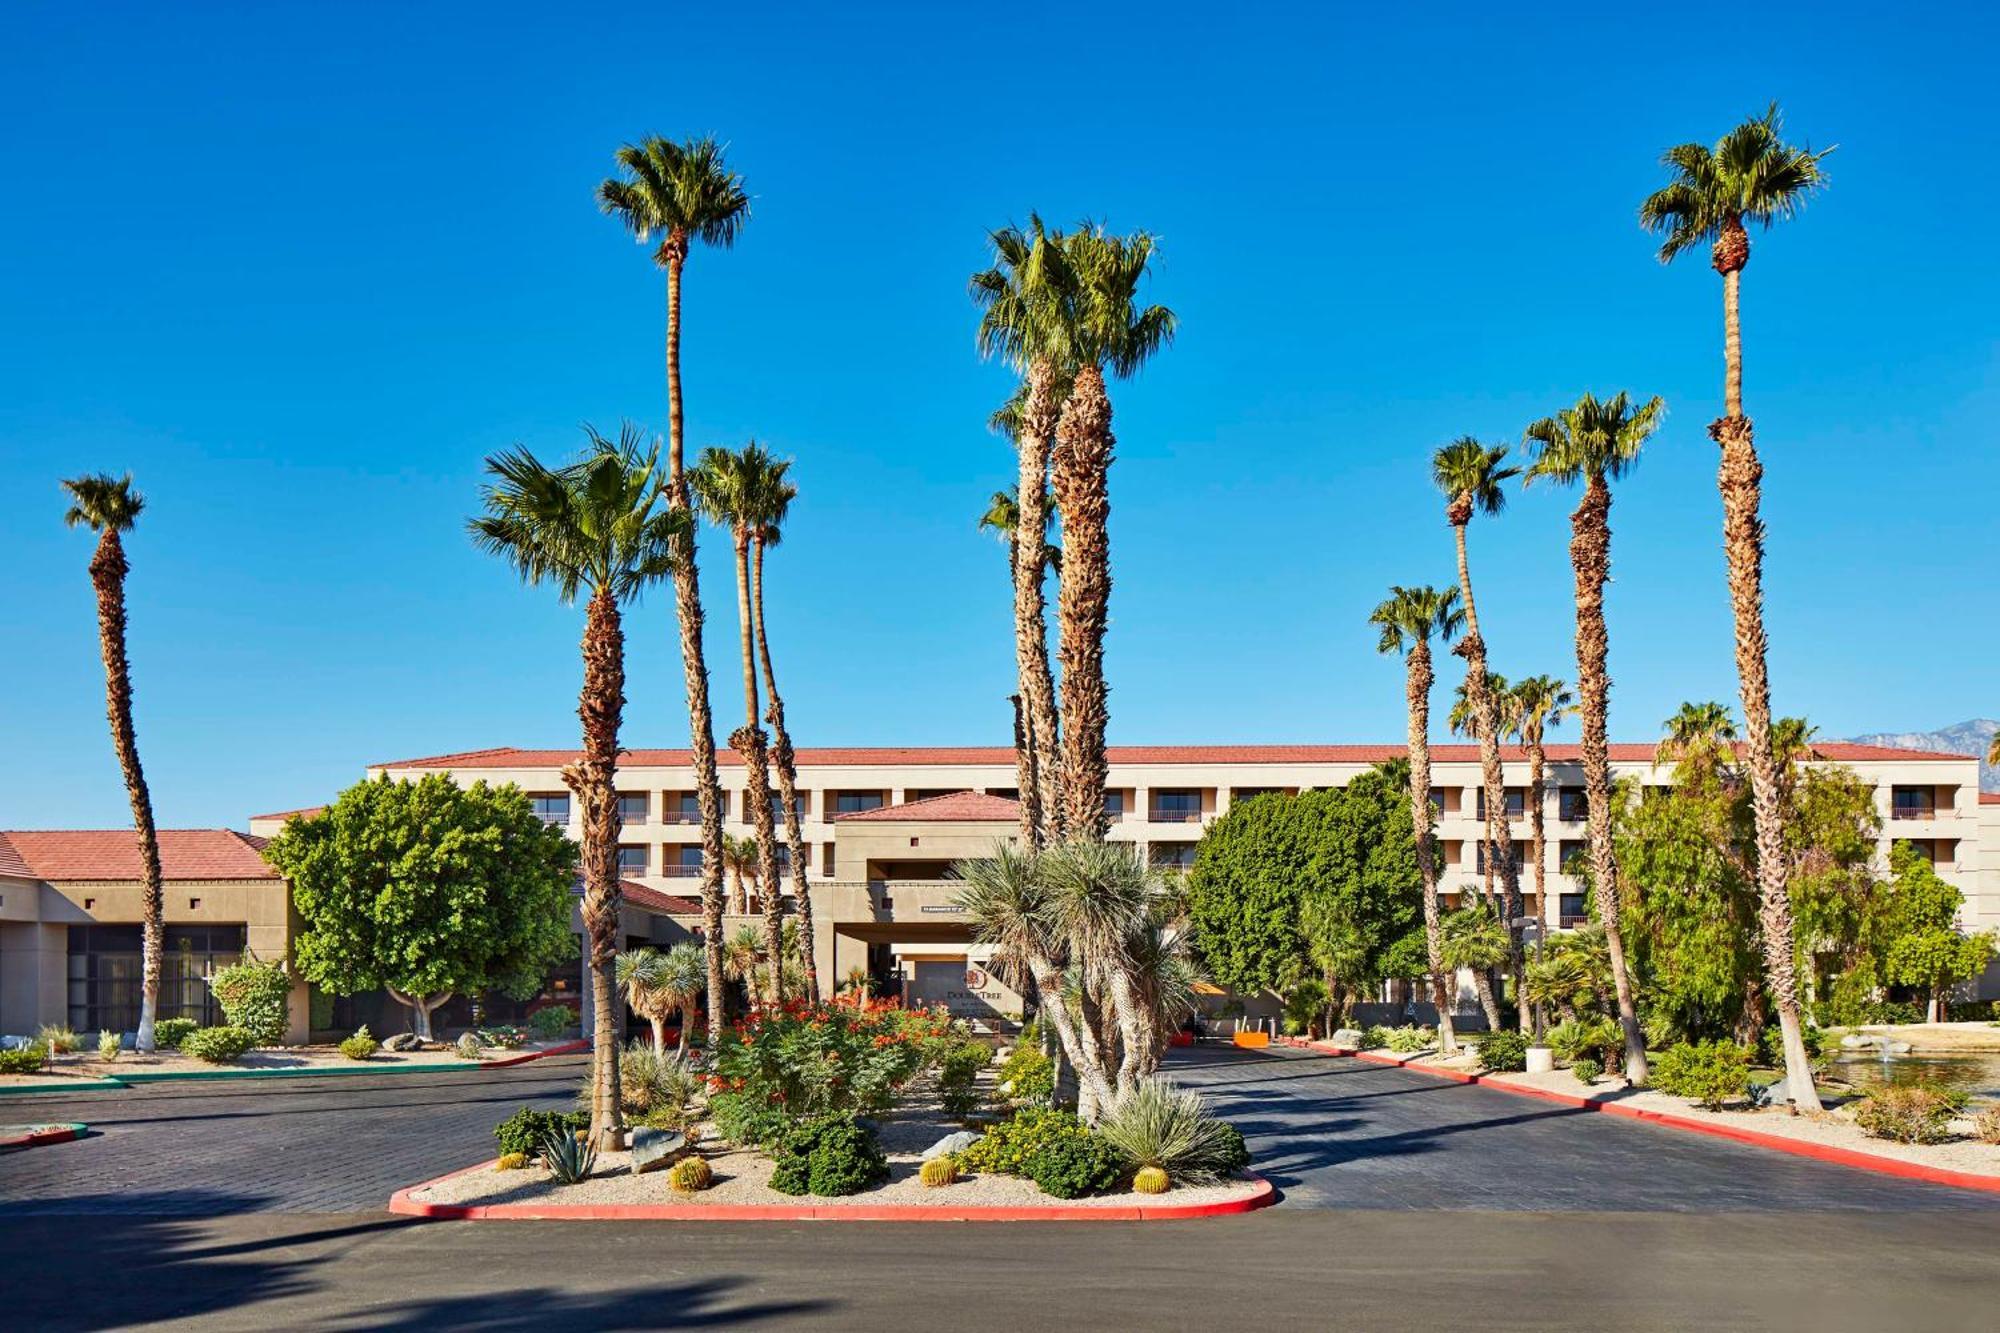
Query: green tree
594, 527
685, 192
1750, 175
1927, 950
428, 890
1475, 940
109, 507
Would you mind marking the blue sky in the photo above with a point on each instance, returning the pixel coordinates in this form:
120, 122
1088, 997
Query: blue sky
302, 271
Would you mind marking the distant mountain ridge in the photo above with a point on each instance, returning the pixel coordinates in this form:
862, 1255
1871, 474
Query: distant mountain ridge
1972, 737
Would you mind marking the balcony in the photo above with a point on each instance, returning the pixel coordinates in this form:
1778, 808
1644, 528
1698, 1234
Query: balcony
681, 817
1913, 812
679, 870
1173, 815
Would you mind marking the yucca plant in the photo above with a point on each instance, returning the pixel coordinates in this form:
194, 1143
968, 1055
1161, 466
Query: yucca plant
1159, 1125
568, 1157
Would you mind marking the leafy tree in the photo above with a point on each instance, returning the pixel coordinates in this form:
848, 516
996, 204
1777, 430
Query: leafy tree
428, 890
1927, 950
1474, 939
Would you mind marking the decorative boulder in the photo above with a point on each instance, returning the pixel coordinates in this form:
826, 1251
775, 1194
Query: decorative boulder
404, 1041
1352, 1039
952, 1143
655, 1148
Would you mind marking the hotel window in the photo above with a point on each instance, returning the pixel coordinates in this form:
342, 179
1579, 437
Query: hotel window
1437, 800
631, 859
680, 807
1114, 805
1516, 800
1172, 855
1571, 909
632, 808
106, 974
1011, 793
1572, 856
1176, 807
682, 862
854, 802
784, 858
927, 793
1912, 803
777, 799
1572, 806
1479, 856
553, 807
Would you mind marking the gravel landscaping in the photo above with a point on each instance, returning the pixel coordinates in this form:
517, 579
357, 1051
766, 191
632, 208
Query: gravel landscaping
85, 1068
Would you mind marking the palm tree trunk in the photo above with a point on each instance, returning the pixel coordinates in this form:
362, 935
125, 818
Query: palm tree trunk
594, 778
1082, 464
1590, 552
1037, 770
1419, 693
687, 609
1529, 1016
1732, 251
786, 764
1086, 1057
107, 575
750, 745
1024, 775
1482, 983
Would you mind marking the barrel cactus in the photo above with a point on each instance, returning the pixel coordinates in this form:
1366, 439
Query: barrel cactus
690, 1175
511, 1161
1150, 1180
938, 1171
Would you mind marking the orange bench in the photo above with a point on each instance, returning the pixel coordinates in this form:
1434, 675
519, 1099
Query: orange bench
1253, 1040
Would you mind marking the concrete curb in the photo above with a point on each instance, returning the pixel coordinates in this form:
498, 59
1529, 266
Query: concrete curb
112, 1081
401, 1202
36, 1138
1819, 1152
63, 1089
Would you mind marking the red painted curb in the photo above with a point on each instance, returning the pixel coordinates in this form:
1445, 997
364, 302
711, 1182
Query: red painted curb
566, 1048
402, 1202
1819, 1152
40, 1137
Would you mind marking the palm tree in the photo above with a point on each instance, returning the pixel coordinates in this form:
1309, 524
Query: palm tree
1993, 751
739, 857
1750, 175
598, 527
1409, 619
1025, 320
742, 959
1597, 443
641, 974
1474, 940
109, 506
1537, 703
1108, 328
732, 487
686, 193
1696, 728
1470, 475
1463, 720
683, 978
774, 503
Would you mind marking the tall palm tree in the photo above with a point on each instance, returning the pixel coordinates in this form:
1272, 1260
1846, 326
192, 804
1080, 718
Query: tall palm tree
1993, 750
731, 486
1463, 720
1025, 321
1108, 328
1408, 620
1536, 704
109, 506
1598, 442
1470, 475
1473, 939
1750, 175
739, 858
1696, 726
774, 505
686, 192
600, 528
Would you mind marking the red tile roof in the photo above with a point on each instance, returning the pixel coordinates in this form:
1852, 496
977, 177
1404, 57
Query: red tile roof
11, 862
958, 807
990, 755
113, 854
306, 812
1989, 798
672, 904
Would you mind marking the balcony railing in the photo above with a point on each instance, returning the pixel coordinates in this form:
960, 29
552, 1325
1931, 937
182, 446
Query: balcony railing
1173, 816
675, 870
1913, 812
681, 817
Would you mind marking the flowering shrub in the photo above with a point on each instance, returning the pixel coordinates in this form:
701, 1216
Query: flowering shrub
809, 1060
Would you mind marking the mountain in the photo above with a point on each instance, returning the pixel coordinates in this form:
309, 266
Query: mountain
1973, 738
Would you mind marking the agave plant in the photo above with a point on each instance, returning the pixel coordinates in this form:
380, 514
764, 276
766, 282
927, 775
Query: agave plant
568, 1157
1159, 1125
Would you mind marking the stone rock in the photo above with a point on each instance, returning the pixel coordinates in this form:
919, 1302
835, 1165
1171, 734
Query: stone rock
404, 1041
1351, 1038
951, 1143
654, 1148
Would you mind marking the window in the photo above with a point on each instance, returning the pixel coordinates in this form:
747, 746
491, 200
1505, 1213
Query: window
682, 862
853, 802
1912, 803
632, 809
1437, 800
1572, 807
680, 807
784, 859
1571, 908
106, 974
1479, 856
1516, 802
631, 860
1114, 805
553, 807
1172, 855
1011, 793
1176, 807
1572, 852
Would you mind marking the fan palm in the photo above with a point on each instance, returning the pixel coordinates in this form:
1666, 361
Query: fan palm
736, 490
640, 973
1475, 940
682, 981
685, 192
1598, 442
1408, 620
1108, 328
1694, 728
1025, 321
1463, 720
1100, 897
1993, 750
1470, 475
742, 958
599, 528
1535, 704
1750, 175
109, 507
739, 857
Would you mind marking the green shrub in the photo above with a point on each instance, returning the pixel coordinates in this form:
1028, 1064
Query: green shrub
1050, 1147
1374, 1037
650, 1083
817, 1060
217, 1045
1236, 1153
1405, 1040
361, 1045
1586, 1068
168, 1033
1600, 1039
1070, 1168
568, 1156
552, 1021
827, 1155
527, 1129
1159, 1125
958, 1076
253, 996
27, 1059
1771, 1045
1503, 1052
1918, 1113
109, 1044
745, 1121
1708, 1072
57, 1037
1027, 1075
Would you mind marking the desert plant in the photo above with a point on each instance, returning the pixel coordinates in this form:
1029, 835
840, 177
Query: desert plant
1918, 1113
690, 1175
1986, 1125
1405, 1040
217, 1045
169, 1032
109, 1044
655, 1083
57, 1037
1601, 1038
1159, 1125
1503, 1052
511, 1161
938, 1171
1707, 1072
27, 1059
527, 1129
254, 996
828, 1155
1150, 1180
1374, 1037
747, 1121
361, 1045
569, 1157
958, 1074
1587, 1069
504, 1036
1027, 1076
1074, 1166
468, 1047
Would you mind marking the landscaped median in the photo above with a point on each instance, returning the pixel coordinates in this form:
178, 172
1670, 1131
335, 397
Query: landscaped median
1830, 1136
87, 1073
39, 1135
